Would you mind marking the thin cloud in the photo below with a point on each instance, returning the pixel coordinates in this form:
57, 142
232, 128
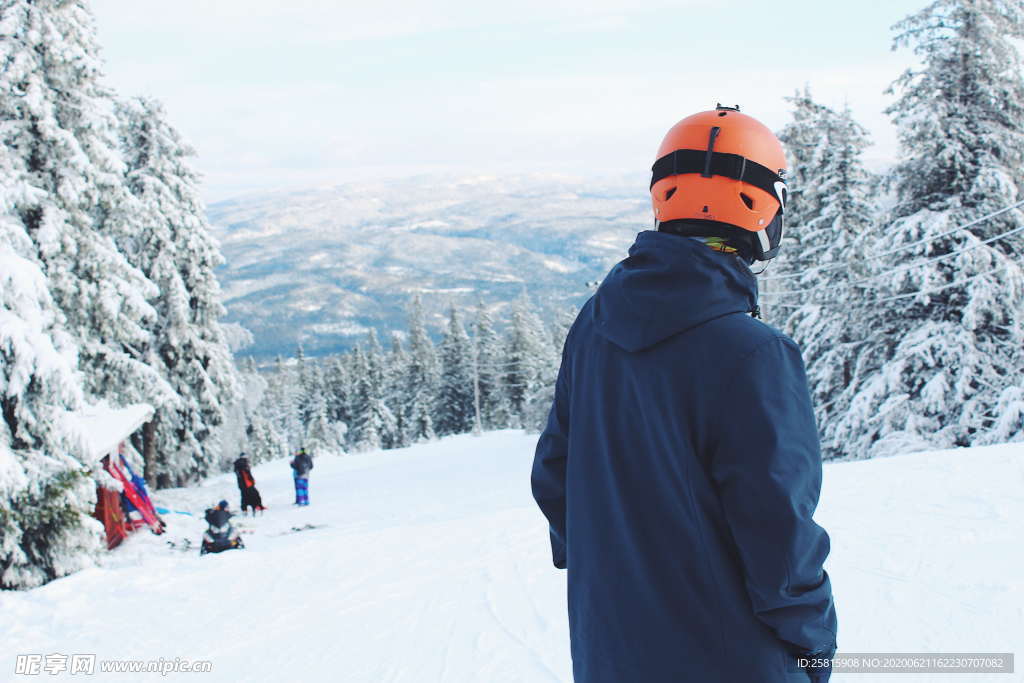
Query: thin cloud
281, 93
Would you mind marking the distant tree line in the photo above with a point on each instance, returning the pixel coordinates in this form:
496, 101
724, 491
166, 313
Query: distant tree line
476, 378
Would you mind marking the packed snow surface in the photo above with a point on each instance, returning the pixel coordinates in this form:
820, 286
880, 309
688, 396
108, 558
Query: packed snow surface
431, 564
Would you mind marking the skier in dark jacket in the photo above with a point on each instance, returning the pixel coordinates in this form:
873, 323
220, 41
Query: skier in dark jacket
301, 464
680, 467
251, 497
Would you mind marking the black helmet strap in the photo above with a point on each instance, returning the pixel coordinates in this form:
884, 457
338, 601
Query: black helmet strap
707, 162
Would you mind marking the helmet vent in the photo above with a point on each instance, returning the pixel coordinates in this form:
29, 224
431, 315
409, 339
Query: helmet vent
747, 200
668, 195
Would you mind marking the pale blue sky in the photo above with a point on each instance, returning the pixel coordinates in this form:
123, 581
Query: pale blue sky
324, 92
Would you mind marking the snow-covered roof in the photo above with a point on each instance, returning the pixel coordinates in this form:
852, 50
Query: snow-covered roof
101, 428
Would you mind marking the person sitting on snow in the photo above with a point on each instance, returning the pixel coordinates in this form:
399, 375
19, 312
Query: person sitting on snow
221, 535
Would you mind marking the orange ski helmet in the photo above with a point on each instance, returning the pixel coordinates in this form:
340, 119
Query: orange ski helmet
721, 173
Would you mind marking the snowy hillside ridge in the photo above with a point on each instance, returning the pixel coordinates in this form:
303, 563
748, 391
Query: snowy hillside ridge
432, 563
323, 266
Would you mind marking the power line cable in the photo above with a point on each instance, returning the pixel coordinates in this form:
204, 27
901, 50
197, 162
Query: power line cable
834, 266
954, 283
905, 295
900, 269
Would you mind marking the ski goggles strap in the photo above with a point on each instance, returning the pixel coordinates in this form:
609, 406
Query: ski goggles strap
717, 163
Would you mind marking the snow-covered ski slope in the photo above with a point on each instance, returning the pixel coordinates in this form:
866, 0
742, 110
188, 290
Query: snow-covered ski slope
431, 565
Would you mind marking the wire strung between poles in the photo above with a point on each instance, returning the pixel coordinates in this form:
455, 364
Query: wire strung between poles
900, 269
835, 266
905, 295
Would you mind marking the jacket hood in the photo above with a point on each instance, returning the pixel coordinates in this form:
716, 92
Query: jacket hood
669, 284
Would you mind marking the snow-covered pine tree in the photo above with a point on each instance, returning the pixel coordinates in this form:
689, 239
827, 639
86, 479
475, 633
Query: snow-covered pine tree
563, 322
373, 423
322, 438
282, 389
494, 411
421, 379
63, 192
805, 139
311, 392
359, 402
834, 242
172, 245
60, 126
307, 388
46, 497
376, 361
248, 425
528, 352
455, 409
337, 391
262, 442
395, 368
364, 434
943, 362
961, 115
539, 404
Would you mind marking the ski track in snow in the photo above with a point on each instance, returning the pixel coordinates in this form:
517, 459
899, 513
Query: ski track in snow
431, 564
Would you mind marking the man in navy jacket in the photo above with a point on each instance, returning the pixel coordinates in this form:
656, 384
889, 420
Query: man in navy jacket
680, 467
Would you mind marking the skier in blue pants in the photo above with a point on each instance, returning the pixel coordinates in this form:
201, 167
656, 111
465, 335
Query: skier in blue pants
301, 465
680, 467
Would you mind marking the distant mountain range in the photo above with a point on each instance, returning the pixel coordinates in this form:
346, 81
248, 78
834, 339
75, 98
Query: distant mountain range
321, 267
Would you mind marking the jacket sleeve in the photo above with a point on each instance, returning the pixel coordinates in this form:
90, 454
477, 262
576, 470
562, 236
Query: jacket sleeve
549, 465
766, 465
